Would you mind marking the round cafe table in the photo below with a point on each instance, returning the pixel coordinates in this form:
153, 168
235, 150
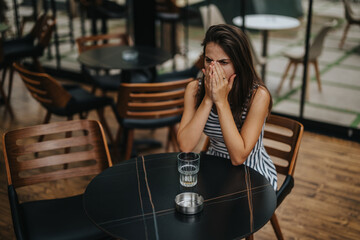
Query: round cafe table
266, 23
112, 58
135, 200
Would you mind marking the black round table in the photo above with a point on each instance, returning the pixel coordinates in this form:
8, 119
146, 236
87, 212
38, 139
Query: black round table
112, 58
135, 200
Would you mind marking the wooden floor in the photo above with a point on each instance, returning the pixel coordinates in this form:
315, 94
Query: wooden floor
325, 203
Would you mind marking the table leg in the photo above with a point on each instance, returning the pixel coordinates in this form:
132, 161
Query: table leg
264, 53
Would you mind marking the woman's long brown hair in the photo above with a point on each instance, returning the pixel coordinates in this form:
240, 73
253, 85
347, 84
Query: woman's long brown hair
236, 45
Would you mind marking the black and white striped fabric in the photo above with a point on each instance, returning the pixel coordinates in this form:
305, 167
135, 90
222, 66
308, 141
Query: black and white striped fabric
258, 159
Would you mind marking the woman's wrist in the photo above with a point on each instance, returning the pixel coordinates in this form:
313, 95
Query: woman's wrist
207, 100
221, 104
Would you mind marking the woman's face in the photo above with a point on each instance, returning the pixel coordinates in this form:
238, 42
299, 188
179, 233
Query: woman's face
213, 52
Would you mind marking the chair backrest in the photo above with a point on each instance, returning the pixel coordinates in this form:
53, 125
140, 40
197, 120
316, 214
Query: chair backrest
29, 161
211, 15
282, 137
43, 29
43, 88
349, 14
317, 45
151, 100
103, 40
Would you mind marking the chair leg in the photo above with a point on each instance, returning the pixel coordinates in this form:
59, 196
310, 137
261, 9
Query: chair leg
117, 144
307, 84
46, 120
276, 226
129, 143
342, 41
10, 84
284, 77
317, 72
293, 75
7, 104
100, 113
68, 135
251, 237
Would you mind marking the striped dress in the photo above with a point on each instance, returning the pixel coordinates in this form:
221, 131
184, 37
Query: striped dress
258, 159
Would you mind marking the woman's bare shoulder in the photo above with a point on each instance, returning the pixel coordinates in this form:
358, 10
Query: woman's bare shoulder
261, 95
192, 86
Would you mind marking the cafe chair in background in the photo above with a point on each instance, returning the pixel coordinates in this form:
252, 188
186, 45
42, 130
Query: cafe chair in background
64, 100
296, 56
3, 96
351, 19
31, 45
100, 78
150, 106
53, 218
211, 15
103, 10
282, 137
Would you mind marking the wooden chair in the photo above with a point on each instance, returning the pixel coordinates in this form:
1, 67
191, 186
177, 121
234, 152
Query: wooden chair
282, 137
56, 218
351, 19
297, 57
150, 106
32, 45
66, 100
100, 78
278, 131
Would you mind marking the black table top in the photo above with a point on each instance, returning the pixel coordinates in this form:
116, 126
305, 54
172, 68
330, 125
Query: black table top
111, 57
117, 200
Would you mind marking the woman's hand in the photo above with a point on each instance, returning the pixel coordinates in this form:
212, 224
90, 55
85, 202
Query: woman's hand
220, 84
207, 97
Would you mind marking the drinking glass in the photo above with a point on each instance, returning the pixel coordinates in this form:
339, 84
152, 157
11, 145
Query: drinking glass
188, 166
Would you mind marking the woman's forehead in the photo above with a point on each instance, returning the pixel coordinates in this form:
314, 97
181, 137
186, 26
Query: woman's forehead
215, 52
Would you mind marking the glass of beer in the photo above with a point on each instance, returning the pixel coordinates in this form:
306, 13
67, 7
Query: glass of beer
188, 166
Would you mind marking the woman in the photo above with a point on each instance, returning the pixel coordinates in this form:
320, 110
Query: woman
229, 103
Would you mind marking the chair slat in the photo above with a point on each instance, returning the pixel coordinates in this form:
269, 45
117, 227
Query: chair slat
156, 114
150, 106
162, 96
56, 175
54, 160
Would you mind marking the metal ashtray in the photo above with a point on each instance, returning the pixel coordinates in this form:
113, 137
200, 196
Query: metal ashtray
189, 203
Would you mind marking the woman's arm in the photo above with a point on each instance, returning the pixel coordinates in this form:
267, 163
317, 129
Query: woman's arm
239, 145
193, 120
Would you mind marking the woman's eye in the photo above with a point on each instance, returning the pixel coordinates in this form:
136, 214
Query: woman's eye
223, 63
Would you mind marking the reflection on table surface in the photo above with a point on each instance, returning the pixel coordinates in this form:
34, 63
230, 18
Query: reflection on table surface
135, 200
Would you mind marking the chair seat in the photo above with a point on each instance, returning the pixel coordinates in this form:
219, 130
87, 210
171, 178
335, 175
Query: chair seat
296, 54
81, 101
149, 123
21, 48
108, 10
58, 219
